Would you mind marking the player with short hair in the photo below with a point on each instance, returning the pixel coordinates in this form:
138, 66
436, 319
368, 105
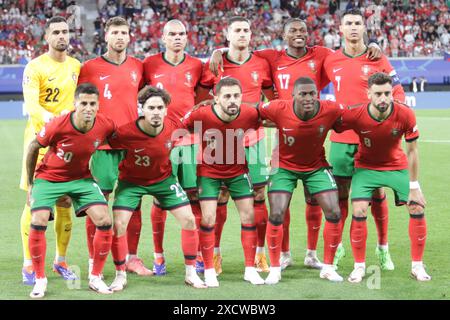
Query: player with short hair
297, 60
179, 74
64, 172
118, 77
349, 69
254, 74
222, 127
49, 83
303, 123
146, 170
381, 162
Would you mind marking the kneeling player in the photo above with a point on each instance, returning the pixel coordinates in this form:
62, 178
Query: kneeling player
222, 127
63, 173
146, 170
381, 162
303, 124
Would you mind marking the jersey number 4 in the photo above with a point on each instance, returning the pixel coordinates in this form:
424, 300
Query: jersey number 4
107, 93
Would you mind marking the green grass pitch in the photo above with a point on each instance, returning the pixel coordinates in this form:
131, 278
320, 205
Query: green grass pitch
297, 283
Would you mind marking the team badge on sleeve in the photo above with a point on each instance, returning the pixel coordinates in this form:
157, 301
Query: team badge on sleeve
395, 132
312, 66
42, 133
96, 143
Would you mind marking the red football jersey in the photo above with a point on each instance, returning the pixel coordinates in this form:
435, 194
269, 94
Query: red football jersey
179, 80
300, 142
147, 157
222, 154
349, 76
118, 86
287, 69
254, 75
380, 142
70, 149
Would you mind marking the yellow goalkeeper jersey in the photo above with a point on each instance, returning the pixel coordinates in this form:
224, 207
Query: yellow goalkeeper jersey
49, 88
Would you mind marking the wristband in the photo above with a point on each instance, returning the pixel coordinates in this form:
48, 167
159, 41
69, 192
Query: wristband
414, 185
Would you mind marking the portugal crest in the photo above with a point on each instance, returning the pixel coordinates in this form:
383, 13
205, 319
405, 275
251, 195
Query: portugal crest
321, 130
395, 132
188, 77
365, 69
312, 66
96, 143
133, 75
255, 77
168, 144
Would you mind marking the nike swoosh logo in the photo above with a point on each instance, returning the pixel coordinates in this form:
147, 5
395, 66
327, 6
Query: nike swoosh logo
281, 68
315, 228
36, 257
333, 246
66, 144
336, 70
51, 79
287, 129
224, 77
364, 132
207, 248
158, 76
356, 240
103, 253
421, 239
139, 150
271, 248
105, 77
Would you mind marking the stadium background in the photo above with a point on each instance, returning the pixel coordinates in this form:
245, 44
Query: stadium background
414, 34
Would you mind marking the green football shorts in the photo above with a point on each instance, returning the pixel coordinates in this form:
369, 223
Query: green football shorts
239, 187
168, 192
84, 194
365, 181
184, 165
342, 159
316, 181
105, 168
256, 161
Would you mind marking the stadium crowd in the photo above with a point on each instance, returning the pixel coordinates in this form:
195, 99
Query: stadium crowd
402, 28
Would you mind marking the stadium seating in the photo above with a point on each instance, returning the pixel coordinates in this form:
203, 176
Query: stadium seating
416, 28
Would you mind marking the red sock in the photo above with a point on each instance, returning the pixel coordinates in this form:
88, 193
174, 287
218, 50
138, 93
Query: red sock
343, 205
358, 237
189, 244
134, 231
381, 216
417, 236
313, 214
119, 251
331, 236
90, 232
158, 217
261, 217
197, 211
206, 235
286, 223
102, 246
248, 240
274, 235
221, 217
38, 247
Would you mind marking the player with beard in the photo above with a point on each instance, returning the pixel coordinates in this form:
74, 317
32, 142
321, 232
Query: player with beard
297, 60
49, 83
179, 74
118, 77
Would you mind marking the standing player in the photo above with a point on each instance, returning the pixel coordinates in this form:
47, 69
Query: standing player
179, 74
254, 75
349, 69
223, 126
118, 77
71, 139
286, 66
381, 162
49, 83
146, 170
303, 124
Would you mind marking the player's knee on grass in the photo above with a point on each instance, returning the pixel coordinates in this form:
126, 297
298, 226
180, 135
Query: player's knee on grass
260, 193
64, 202
40, 218
360, 208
